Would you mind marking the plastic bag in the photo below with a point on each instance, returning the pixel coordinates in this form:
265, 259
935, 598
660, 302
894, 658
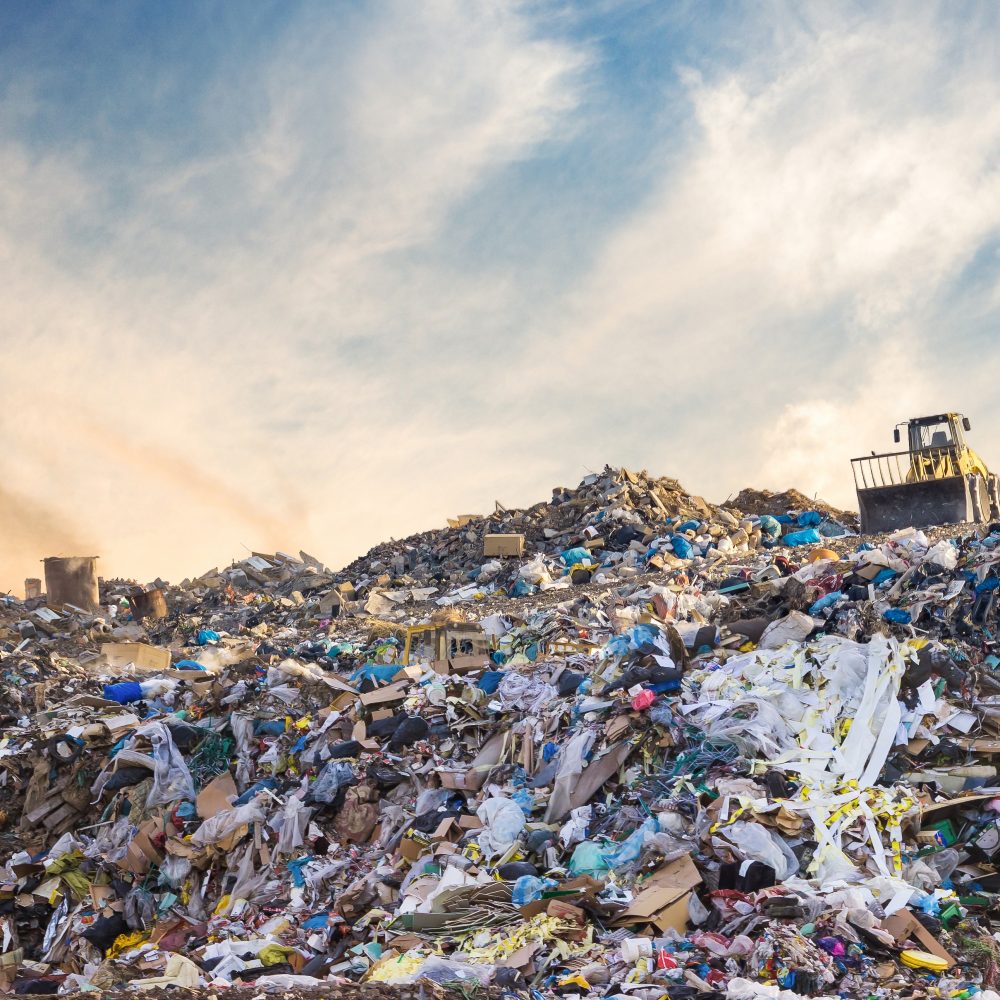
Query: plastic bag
534, 571
222, 824
503, 822
172, 780
808, 536
758, 843
174, 870
525, 800
529, 888
123, 692
631, 847
330, 780
489, 570
682, 547
770, 527
794, 627
292, 825
573, 831
525, 692
588, 859
444, 970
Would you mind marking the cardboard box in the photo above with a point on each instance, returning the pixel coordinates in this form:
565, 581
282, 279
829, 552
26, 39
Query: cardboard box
141, 655
503, 545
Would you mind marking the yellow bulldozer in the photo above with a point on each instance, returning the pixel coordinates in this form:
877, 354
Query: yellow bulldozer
938, 479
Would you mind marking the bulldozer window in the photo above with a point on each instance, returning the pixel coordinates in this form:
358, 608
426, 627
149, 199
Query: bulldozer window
936, 435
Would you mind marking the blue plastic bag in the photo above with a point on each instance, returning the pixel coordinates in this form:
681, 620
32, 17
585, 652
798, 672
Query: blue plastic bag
682, 547
898, 616
375, 672
124, 692
268, 727
810, 519
631, 847
573, 556
807, 536
525, 800
529, 889
824, 602
770, 527
490, 680
207, 635
266, 783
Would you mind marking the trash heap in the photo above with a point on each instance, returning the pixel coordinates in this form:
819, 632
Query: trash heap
613, 526
752, 766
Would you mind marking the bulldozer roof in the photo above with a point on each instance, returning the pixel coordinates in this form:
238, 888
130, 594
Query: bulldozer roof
936, 419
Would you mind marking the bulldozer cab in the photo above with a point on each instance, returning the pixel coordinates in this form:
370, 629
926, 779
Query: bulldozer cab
941, 431
938, 479
936, 446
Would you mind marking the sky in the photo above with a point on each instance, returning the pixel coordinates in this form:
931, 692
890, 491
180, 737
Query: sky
283, 275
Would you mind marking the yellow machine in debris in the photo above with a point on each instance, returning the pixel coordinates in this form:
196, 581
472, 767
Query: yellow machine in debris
939, 479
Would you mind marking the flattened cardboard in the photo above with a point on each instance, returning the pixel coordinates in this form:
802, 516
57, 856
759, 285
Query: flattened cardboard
392, 692
596, 774
663, 902
215, 796
465, 664
474, 776
904, 926
567, 913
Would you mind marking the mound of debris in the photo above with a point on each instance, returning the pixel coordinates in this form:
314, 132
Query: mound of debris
724, 755
607, 519
751, 501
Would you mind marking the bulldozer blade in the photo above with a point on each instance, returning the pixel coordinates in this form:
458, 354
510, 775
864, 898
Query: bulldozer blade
916, 505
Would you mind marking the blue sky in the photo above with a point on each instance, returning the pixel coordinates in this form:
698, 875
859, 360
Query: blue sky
282, 275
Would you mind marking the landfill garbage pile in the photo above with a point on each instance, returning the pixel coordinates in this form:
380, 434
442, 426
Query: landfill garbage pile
751, 501
749, 766
614, 525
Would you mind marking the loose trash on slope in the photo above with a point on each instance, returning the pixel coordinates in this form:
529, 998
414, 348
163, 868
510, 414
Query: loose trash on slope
647, 750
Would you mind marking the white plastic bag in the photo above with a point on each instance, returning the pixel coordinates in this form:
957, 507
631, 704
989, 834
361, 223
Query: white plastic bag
503, 820
794, 627
172, 780
758, 843
222, 824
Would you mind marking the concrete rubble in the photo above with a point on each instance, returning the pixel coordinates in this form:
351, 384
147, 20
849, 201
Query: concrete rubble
624, 743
